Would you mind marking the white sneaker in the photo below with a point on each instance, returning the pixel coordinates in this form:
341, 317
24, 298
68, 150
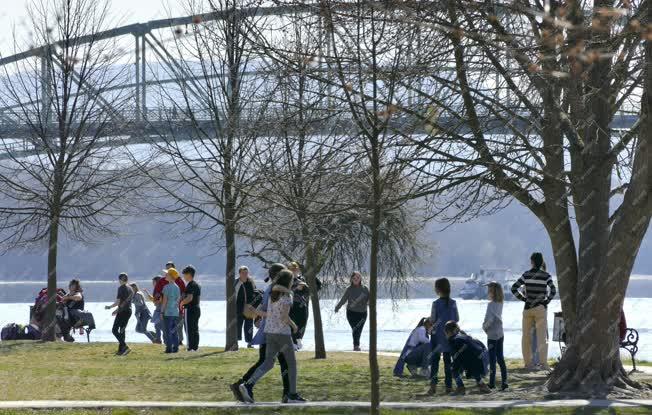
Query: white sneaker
299, 344
296, 347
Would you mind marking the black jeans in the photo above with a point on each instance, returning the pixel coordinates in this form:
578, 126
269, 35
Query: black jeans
356, 321
120, 325
261, 358
248, 328
496, 355
192, 327
299, 315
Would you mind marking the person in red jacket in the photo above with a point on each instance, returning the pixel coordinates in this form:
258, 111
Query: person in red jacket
622, 326
158, 291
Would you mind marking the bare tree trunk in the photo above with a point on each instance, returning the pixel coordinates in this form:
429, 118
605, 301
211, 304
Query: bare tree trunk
373, 324
51, 309
373, 277
311, 278
231, 306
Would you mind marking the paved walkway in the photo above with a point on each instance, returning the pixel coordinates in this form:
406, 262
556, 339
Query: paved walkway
575, 403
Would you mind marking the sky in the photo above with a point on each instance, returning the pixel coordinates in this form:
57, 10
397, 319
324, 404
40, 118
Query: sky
13, 15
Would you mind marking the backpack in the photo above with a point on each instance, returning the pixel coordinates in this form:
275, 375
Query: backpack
10, 332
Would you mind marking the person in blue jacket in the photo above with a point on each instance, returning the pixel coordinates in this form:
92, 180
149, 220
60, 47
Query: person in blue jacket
443, 309
259, 339
469, 356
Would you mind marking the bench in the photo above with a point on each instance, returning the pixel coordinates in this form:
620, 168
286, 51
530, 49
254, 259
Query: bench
629, 342
86, 321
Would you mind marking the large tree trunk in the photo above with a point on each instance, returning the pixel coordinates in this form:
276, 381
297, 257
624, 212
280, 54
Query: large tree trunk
311, 278
591, 365
49, 327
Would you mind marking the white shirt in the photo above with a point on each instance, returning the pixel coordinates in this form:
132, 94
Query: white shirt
417, 337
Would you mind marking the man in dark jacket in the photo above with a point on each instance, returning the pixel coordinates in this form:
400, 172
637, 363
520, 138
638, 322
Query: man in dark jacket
244, 291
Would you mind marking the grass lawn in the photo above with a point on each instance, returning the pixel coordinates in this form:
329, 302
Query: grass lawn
62, 371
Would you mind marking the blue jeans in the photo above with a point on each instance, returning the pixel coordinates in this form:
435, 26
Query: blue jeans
157, 321
170, 335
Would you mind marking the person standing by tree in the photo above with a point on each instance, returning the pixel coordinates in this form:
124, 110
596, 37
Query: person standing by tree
357, 298
190, 303
244, 290
122, 313
301, 298
539, 291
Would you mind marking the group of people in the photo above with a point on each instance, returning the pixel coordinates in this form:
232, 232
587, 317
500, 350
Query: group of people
176, 298
440, 337
280, 313
247, 296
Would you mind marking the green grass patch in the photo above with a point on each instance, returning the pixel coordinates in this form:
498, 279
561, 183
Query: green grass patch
62, 371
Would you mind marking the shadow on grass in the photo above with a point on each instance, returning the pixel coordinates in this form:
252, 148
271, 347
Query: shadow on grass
196, 356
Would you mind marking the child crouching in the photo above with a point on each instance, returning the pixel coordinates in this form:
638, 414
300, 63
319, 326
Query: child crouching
469, 356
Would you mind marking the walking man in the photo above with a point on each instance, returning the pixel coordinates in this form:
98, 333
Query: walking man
122, 313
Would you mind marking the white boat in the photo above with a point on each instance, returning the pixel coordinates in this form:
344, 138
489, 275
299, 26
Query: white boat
474, 287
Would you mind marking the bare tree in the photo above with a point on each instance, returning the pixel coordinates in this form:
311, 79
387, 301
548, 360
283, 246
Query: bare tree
204, 154
363, 64
63, 171
549, 105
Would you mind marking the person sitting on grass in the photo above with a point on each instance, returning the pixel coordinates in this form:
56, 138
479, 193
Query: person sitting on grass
468, 356
278, 335
416, 353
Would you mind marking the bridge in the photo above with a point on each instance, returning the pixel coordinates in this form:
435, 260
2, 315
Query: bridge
144, 121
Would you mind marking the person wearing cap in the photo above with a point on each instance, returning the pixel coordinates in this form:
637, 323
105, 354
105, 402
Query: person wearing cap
244, 291
259, 339
122, 313
170, 310
190, 303
158, 291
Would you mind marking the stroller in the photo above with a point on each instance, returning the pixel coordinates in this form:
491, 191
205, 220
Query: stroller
74, 319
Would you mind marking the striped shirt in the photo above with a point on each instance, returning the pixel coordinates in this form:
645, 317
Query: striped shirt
536, 282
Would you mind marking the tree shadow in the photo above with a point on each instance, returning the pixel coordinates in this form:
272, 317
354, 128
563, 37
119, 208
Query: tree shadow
196, 356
